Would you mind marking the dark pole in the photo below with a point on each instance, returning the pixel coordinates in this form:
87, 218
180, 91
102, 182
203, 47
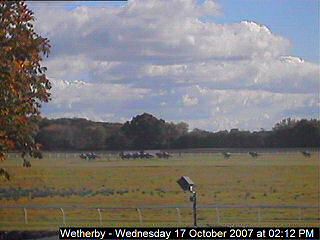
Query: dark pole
194, 198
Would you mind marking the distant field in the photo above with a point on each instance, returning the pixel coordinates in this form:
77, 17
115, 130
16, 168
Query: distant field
273, 179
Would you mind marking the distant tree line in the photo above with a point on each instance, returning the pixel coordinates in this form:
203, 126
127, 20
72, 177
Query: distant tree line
147, 132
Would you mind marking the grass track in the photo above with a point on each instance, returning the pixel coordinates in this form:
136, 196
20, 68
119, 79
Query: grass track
271, 179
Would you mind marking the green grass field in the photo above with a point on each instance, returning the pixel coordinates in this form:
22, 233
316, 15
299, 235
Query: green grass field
68, 181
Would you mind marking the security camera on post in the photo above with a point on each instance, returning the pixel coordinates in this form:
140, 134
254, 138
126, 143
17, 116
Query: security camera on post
188, 185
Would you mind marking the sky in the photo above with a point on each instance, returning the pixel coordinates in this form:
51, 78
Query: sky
213, 64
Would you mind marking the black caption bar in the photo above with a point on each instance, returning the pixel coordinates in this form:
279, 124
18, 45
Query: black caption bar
189, 233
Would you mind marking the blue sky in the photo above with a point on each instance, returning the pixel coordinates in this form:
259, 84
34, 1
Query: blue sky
212, 64
297, 20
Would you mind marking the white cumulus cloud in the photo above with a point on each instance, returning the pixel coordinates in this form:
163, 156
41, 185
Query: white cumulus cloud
159, 56
189, 101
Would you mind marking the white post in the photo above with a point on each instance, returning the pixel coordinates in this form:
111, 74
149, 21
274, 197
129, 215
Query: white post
63, 217
140, 215
300, 214
259, 215
25, 216
218, 215
100, 216
179, 216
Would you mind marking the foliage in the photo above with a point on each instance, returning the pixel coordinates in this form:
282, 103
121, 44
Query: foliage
294, 133
75, 134
147, 132
23, 83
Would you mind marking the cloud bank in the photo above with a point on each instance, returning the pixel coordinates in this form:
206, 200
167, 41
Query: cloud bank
162, 57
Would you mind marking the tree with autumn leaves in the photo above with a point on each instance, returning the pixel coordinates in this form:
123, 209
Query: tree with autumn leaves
23, 83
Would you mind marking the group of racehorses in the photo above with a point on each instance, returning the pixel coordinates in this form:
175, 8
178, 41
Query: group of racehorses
128, 155
146, 155
142, 154
255, 154
89, 156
